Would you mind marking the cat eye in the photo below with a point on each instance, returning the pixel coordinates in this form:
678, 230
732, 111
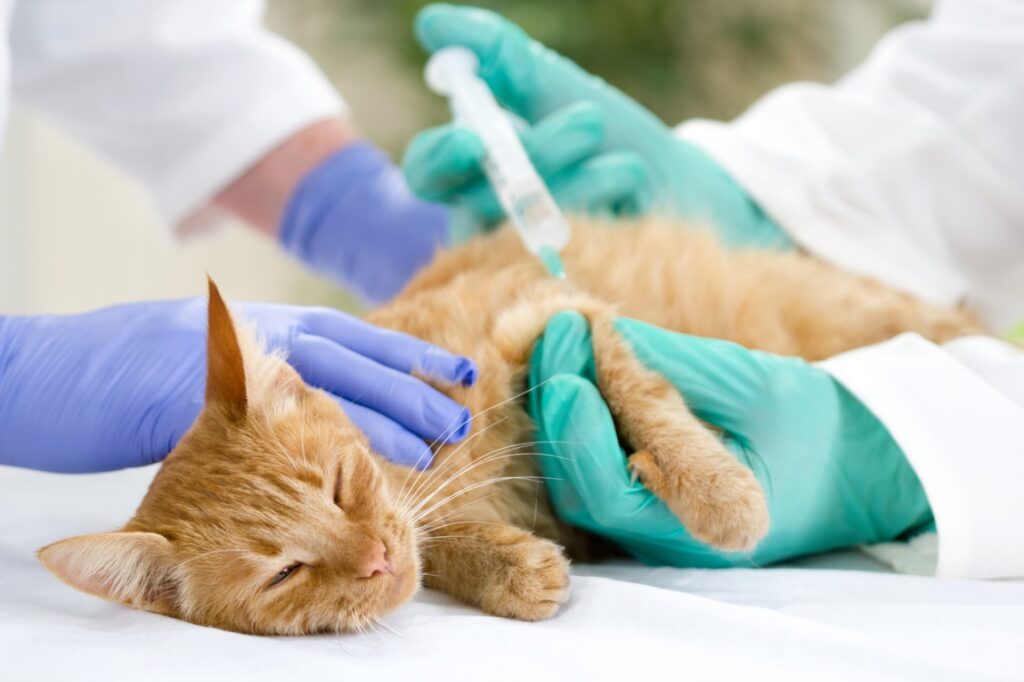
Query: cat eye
284, 574
337, 489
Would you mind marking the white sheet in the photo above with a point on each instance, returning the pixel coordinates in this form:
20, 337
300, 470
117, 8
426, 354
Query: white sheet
624, 621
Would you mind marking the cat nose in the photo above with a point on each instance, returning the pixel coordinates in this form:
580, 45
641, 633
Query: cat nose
375, 562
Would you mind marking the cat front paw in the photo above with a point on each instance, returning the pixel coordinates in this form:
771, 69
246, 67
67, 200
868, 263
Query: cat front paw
530, 580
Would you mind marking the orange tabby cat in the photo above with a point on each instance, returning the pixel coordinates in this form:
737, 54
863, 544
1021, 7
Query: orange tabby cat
274, 516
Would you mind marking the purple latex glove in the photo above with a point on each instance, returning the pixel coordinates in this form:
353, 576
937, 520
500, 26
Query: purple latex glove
120, 386
353, 218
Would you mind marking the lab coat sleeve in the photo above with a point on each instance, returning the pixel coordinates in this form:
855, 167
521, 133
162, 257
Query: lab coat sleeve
957, 411
183, 94
910, 168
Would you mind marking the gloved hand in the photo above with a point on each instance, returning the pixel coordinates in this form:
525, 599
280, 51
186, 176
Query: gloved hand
119, 387
832, 474
593, 145
353, 219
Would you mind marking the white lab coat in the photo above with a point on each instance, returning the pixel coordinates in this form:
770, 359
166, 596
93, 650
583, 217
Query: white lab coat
911, 169
183, 94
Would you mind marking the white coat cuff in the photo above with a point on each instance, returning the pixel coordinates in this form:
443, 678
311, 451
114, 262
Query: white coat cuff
230, 151
964, 439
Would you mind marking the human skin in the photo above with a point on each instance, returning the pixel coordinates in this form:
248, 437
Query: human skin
260, 195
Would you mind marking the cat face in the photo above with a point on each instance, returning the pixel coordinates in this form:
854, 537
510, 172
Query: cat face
272, 515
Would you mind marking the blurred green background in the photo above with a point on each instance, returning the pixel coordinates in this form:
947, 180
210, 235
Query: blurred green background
79, 234
681, 58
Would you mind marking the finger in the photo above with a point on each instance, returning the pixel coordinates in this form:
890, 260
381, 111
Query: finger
575, 418
442, 161
613, 184
396, 350
445, 164
402, 398
559, 142
565, 138
720, 381
616, 183
591, 486
511, 62
388, 438
565, 348
478, 200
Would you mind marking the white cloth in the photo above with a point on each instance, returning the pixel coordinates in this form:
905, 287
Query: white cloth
183, 94
624, 621
911, 169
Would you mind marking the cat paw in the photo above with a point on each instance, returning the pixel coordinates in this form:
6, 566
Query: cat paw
729, 511
531, 583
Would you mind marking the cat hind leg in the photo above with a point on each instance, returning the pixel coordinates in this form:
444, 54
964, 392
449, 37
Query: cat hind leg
678, 458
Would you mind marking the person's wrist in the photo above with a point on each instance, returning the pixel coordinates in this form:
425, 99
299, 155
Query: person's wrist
8, 334
904, 506
354, 219
705, 191
260, 194
12, 330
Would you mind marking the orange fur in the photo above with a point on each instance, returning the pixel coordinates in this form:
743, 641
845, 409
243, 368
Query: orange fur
272, 473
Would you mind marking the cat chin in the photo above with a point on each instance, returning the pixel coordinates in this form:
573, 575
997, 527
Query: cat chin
404, 587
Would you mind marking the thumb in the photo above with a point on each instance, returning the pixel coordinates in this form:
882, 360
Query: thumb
565, 348
722, 382
526, 77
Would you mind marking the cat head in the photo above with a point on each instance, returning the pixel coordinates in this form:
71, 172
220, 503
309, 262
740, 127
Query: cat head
271, 516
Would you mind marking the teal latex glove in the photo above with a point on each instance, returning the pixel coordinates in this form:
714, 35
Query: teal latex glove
596, 148
832, 474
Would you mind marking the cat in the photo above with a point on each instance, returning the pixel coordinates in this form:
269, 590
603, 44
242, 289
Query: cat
274, 516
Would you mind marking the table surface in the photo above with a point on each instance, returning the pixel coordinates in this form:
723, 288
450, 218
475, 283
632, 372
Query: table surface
835, 617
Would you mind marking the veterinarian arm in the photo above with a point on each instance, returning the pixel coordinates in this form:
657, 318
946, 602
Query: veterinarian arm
597, 149
832, 475
910, 168
899, 432
957, 412
206, 108
120, 386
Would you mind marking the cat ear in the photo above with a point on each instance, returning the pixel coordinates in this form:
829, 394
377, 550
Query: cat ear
130, 568
225, 372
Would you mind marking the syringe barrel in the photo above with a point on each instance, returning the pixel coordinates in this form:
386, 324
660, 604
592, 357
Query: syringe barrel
520, 190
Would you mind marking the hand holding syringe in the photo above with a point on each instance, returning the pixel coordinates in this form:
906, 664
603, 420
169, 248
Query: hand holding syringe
526, 200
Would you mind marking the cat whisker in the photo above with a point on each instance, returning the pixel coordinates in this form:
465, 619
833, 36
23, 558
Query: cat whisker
471, 488
477, 416
449, 461
513, 446
501, 453
505, 452
431, 529
500, 450
380, 622
423, 531
435, 538
420, 483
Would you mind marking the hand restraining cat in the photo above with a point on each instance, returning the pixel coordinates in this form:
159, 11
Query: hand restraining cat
273, 515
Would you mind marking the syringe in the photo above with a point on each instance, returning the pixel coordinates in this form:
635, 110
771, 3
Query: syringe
452, 72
